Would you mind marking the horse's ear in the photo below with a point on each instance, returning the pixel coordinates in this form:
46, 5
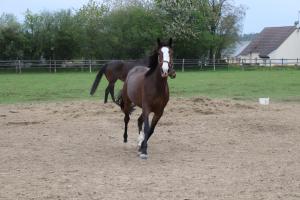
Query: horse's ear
170, 42
158, 42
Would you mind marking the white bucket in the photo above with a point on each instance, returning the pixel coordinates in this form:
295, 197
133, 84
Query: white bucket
264, 101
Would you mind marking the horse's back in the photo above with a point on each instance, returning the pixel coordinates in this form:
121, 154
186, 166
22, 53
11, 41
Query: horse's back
114, 70
136, 75
137, 70
115, 64
129, 65
118, 69
134, 84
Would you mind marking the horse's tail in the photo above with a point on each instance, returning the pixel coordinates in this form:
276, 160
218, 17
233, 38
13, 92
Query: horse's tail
97, 80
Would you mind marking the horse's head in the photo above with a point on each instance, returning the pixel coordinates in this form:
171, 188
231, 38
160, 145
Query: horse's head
165, 58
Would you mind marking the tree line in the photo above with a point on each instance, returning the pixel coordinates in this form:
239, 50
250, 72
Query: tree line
122, 30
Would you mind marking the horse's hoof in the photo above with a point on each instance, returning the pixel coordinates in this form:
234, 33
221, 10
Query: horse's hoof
144, 156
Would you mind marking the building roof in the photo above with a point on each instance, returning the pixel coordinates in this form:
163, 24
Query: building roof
268, 40
240, 46
235, 49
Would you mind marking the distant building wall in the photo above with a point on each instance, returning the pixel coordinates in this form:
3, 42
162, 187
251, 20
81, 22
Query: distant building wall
250, 56
289, 49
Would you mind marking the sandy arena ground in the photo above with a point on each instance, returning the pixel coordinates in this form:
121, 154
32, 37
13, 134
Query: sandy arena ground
202, 149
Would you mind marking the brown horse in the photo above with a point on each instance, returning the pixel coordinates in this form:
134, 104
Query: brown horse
148, 89
113, 71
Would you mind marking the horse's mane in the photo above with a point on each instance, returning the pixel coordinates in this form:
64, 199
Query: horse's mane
153, 62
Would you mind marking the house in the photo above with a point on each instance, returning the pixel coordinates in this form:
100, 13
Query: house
235, 50
274, 45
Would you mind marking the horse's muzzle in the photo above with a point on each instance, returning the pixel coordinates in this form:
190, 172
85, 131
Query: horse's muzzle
164, 74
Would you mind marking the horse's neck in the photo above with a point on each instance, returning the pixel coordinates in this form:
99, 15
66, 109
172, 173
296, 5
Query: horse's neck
160, 82
154, 74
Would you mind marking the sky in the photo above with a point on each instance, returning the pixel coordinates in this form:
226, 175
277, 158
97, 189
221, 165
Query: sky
18, 7
259, 13
266, 13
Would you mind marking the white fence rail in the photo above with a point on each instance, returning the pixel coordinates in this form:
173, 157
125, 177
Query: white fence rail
265, 62
53, 66
50, 65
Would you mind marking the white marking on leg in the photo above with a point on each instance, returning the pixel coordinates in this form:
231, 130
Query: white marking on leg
141, 138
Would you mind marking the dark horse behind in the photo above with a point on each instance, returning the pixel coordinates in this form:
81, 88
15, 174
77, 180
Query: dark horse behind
114, 70
118, 70
148, 88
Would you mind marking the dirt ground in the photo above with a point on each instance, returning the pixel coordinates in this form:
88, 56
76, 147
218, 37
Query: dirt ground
201, 149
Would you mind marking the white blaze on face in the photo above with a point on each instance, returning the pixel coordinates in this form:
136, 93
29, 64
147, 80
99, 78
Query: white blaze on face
166, 58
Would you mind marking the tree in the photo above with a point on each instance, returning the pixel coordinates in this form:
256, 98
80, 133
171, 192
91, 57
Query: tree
180, 18
90, 29
213, 24
124, 29
64, 36
223, 22
40, 32
51, 35
11, 38
131, 31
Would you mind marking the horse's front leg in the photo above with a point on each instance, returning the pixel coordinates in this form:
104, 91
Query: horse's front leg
143, 148
141, 133
154, 121
148, 132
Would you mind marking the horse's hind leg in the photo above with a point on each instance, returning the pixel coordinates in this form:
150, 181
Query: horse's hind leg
126, 108
106, 94
111, 91
126, 120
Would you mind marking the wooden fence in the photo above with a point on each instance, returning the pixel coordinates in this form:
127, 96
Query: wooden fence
53, 66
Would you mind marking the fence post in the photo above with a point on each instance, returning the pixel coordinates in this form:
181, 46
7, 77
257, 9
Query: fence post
54, 66
282, 62
50, 65
243, 67
17, 68
228, 63
182, 67
214, 61
297, 61
20, 68
90, 66
202, 64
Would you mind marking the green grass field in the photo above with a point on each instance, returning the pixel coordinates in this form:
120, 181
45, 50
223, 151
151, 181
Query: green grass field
279, 85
